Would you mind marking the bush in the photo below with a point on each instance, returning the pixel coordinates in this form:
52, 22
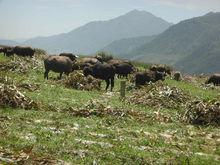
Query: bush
103, 56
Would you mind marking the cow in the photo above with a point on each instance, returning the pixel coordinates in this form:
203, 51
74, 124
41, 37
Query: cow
2, 50
7, 50
87, 61
161, 68
90, 60
215, 79
122, 68
59, 64
117, 61
70, 55
141, 78
101, 71
23, 51
177, 76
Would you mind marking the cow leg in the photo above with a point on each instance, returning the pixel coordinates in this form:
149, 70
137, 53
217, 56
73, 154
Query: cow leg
60, 75
5, 53
107, 84
112, 83
46, 74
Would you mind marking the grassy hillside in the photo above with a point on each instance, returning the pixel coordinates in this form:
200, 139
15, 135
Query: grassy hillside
191, 45
94, 127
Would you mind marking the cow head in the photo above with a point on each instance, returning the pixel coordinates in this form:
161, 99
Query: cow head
160, 75
87, 71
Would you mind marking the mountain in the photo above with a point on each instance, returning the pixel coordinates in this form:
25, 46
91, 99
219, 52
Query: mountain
121, 48
192, 45
95, 35
8, 42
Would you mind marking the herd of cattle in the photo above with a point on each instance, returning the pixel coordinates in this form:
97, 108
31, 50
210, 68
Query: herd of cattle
106, 70
94, 66
100, 68
18, 50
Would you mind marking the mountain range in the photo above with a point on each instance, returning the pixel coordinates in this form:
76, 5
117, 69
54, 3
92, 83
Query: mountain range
8, 42
95, 35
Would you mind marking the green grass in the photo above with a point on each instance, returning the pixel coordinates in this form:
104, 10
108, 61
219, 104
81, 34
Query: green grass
107, 139
194, 90
3, 58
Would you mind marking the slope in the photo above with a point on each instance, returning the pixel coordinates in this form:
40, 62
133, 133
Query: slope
191, 41
121, 48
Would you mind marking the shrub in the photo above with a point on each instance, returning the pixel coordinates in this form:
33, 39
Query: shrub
103, 56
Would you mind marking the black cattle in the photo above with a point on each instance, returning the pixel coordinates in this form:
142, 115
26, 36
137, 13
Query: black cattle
70, 55
87, 61
59, 64
23, 51
101, 71
215, 79
122, 68
177, 76
141, 78
7, 50
117, 61
2, 50
161, 68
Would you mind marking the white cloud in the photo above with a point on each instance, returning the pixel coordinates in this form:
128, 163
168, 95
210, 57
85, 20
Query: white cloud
190, 4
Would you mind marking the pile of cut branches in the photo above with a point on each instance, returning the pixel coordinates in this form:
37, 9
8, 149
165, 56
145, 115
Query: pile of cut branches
203, 113
10, 96
20, 64
159, 95
96, 108
78, 81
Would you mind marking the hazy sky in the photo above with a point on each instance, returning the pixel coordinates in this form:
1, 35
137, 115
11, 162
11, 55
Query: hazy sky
31, 18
